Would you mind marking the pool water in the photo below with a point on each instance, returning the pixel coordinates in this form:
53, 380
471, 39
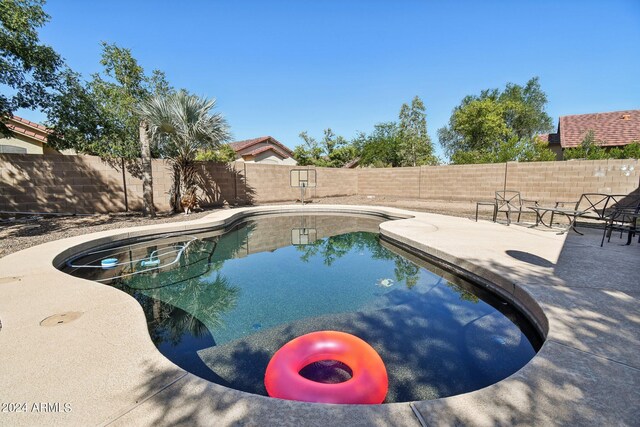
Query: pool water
221, 303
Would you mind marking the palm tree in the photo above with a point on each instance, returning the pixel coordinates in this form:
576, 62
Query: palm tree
147, 179
181, 125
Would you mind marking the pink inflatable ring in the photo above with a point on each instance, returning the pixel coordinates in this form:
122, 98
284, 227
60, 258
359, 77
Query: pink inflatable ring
368, 384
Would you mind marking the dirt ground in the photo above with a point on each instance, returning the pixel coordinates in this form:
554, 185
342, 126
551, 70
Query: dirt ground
26, 231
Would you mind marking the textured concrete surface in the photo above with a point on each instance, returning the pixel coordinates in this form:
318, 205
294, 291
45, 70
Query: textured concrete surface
102, 367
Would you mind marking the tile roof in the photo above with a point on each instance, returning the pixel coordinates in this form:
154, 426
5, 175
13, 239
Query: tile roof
611, 129
241, 145
28, 128
267, 148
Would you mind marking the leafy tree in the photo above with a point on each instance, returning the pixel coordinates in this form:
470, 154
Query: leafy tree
100, 117
29, 68
223, 154
342, 155
526, 150
303, 156
332, 151
478, 125
181, 125
394, 144
630, 151
116, 92
414, 143
380, 148
76, 120
498, 126
524, 109
310, 153
536, 150
589, 149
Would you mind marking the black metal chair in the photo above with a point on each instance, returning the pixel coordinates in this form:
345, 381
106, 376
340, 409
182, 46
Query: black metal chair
508, 202
622, 219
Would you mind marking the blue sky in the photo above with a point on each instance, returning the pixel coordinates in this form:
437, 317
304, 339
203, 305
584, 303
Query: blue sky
280, 67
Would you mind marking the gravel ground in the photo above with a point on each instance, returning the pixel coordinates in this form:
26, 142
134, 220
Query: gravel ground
24, 232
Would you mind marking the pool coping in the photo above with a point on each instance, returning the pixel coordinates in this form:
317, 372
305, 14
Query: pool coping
148, 389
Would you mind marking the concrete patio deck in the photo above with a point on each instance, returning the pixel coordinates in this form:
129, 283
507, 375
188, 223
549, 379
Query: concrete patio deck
103, 369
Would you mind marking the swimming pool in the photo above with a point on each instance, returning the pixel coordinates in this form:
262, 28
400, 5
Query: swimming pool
220, 303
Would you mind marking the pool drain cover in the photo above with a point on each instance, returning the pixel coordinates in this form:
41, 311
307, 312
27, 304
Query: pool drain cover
61, 319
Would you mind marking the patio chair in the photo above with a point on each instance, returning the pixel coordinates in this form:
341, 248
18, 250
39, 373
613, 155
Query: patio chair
509, 202
623, 219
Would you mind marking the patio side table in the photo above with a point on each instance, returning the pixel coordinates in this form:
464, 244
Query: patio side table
492, 204
571, 214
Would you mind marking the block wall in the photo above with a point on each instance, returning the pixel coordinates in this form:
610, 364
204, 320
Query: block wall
401, 182
462, 182
86, 184
57, 183
565, 181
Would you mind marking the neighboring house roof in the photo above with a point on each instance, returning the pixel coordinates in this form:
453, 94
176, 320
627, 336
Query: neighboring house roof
266, 148
31, 130
611, 129
243, 145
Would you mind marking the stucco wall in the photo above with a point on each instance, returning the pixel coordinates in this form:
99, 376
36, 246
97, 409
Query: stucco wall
270, 158
17, 141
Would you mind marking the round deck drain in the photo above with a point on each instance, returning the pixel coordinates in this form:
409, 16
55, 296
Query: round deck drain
61, 319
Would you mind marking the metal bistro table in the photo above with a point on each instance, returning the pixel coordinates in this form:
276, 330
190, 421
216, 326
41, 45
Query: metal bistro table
571, 214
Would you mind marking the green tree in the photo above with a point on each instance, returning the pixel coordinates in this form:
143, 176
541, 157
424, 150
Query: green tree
414, 144
181, 125
119, 89
223, 154
524, 109
310, 153
332, 151
498, 126
342, 155
631, 151
29, 68
525, 150
76, 120
590, 149
536, 150
478, 125
380, 148
100, 117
